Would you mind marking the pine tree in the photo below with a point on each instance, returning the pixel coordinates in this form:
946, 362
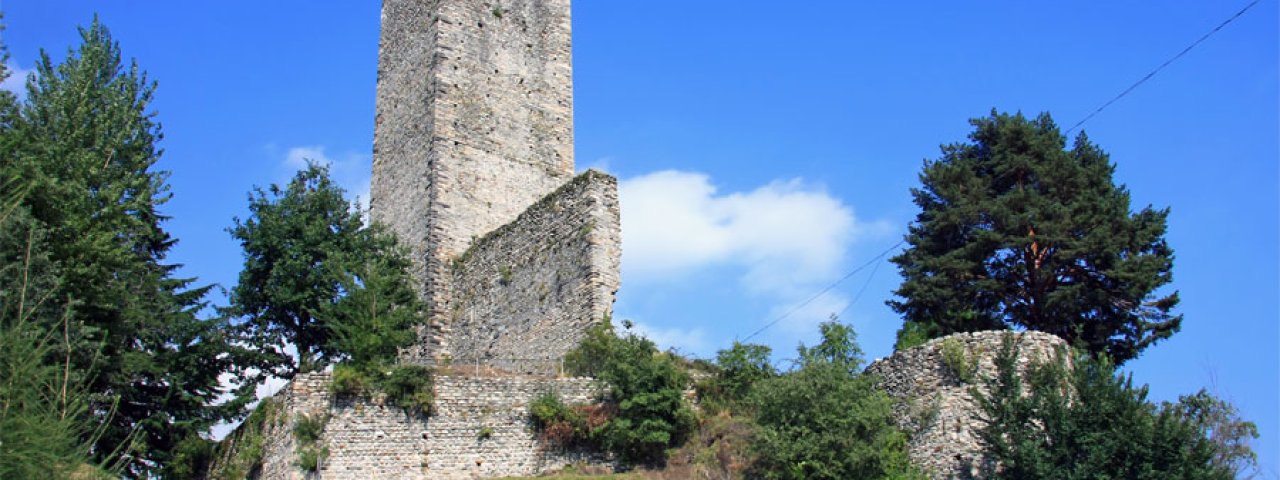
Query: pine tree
1015, 230
84, 142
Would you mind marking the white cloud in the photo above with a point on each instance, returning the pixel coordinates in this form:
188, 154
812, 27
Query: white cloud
785, 235
17, 81
784, 242
350, 170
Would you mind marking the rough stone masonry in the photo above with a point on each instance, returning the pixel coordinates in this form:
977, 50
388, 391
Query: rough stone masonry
474, 125
515, 257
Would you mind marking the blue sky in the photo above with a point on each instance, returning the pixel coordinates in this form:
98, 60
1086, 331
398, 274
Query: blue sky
766, 149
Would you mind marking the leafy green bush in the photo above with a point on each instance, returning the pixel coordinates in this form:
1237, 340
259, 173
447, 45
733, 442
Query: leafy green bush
738, 369
591, 355
559, 424
1090, 422
485, 433
309, 459
649, 414
408, 387
958, 360
825, 420
405, 386
307, 430
347, 381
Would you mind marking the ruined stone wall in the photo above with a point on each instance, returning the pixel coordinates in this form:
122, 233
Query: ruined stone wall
935, 407
524, 295
367, 439
474, 123
466, 405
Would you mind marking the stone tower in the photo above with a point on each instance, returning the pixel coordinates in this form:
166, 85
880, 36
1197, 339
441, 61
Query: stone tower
474, 124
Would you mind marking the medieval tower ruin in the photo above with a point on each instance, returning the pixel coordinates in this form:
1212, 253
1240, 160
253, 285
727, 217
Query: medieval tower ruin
474, 126
516, 257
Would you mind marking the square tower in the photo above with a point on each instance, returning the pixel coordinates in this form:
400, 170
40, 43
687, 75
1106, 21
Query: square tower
474, 124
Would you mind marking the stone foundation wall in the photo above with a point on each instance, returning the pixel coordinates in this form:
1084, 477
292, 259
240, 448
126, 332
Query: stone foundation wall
936, 407
367, 439
523, 295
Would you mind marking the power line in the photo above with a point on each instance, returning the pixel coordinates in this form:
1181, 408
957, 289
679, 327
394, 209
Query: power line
1165, 64
860, 291
825, 290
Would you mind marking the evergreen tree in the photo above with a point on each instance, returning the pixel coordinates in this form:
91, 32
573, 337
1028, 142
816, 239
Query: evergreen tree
315, 278
84, 145
1015, 230
1084, 420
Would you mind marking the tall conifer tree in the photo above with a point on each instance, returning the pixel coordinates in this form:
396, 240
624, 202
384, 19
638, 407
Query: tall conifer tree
1015, 230
85, 143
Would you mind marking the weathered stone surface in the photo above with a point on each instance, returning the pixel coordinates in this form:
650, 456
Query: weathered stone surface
523, 295
474, 123
937, 408
367, 439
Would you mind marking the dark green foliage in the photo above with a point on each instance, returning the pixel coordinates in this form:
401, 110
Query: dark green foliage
1090, 422
247, 443
737, 369
317, 278
957, 358
408, 387
558, 423
824, 420
191, 459
647, 388
911, 335
1016, 230
741, 366
591, 355
347, 381
405, 386
307, 430
45, 427
82, 149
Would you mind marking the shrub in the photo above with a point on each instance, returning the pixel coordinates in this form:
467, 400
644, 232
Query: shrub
591, 355
958, 359
307, 430
405, 386
559, 424
648, 414
485, 433
739, 368
648, 389
825, 420
347, 381
408, 387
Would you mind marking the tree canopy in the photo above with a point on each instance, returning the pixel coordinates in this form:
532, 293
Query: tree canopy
825, 419
1082, 419
1016, 230
82, 147
318, 279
